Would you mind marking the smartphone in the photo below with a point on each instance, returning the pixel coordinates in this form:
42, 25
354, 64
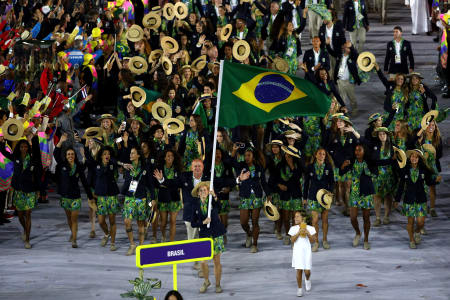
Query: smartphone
118, 140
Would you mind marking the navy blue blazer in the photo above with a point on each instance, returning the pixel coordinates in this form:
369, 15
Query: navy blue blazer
257, 184
169, 189
332, 143
187, 185
226, 180
366, 187
312, 183
324, 59
413, 192
405, 55
216, 227
351, 63
294, 188
105, 179
145, 183
337, 37
349, 17
68, 184
321, 85
26, 180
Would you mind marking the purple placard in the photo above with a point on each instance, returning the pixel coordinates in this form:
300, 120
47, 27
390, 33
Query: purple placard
174, 253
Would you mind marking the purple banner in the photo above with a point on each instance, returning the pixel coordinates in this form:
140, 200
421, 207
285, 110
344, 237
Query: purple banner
174, 253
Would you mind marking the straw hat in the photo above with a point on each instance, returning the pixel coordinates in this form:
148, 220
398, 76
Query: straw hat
169, 11
381, 129
137, 65
2, 70
276, 142
194, 192
201, 148
416, 151
161, 111
199, 63
324, 198
428, 118
155, 55
374, 117
291, 150
107, 116
271, 211
156, 8
167, 65
136, 118
138, 96
280, 65
241, 50
225, 32
181, 10
366, 61
401, 157
181, 118
415, 74
173, 125
284, 121
12, 129
153, 214
211, 65
25, 35
169, 44
181, 70
135, 33
93, 132
428, 149
295, 127
151, 20
343, 118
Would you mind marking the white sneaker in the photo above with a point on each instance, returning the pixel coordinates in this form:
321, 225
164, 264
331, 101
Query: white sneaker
307, 285
299, 292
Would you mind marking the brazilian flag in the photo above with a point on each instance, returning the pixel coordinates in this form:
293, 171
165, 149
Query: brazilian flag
253, 95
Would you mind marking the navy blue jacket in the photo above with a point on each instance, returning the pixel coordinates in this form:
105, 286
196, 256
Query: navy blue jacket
27, 180
257, 183
216, 227
312, 183
405, 55
332, 143
349, 17
187, 185
337, 40
294, 188
169, 189
351, 63
321, 85
274, 173
226, 180
145, 183
390, 86
366, 187
68, 184
413, 192
324, 59
369, 130
105, 180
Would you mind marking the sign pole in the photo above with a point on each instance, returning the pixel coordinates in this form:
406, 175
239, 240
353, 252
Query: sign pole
216, 124
174, 273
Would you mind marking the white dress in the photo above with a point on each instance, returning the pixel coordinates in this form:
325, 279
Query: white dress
420, 16
301, 254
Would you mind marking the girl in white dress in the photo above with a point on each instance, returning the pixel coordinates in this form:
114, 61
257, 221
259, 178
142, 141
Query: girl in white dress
301, 236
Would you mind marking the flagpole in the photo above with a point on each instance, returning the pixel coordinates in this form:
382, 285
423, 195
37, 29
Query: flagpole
216, 124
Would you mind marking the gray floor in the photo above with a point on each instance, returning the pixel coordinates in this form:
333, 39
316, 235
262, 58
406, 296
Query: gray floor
390, 270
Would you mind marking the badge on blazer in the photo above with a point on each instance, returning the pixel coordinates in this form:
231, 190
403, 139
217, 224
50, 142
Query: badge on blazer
64, 168
335, 141
423, 176
404, 48
406, 176
351, 141
310, 174
259, 174
17, 162
375, 148
98, 167
326, 172
145, 172
76, 175
152, 160
32, 168
323, 59
111, 167
185, 184
337, 33
390, 48
351, 8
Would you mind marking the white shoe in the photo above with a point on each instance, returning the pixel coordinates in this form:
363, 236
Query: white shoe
299, 292
307, 285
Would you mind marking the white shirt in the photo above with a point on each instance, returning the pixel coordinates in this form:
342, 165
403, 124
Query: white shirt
196, 181
329, 32
217, 10
316, 56
241, 35
343, 73
397, 47
294, 16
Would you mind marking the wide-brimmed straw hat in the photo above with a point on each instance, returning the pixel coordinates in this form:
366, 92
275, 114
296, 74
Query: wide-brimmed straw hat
374, 117
12, 129
428, 118
181, 10
135, 33
137, 65
416, 151
161, 111
169, 11
152, 20
415, 74
93, 132
194, 192
366, 61
173, 125
138, 96
155, 55
428, 149
169, 44
271, 211
166, 65
107, 116
401, 157
199, 63
381, 129
280, 64
342, 117
241, 50
291, 150
324, 198
225, 32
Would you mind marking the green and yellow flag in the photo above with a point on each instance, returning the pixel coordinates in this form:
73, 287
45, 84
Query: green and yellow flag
252, 95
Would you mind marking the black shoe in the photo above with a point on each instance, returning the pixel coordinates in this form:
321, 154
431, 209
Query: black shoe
446, 95
4, 220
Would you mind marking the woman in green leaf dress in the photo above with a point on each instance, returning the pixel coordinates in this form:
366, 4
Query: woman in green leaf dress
417, 105
193, 142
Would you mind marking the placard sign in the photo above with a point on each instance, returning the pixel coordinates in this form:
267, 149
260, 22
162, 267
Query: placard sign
173, 253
